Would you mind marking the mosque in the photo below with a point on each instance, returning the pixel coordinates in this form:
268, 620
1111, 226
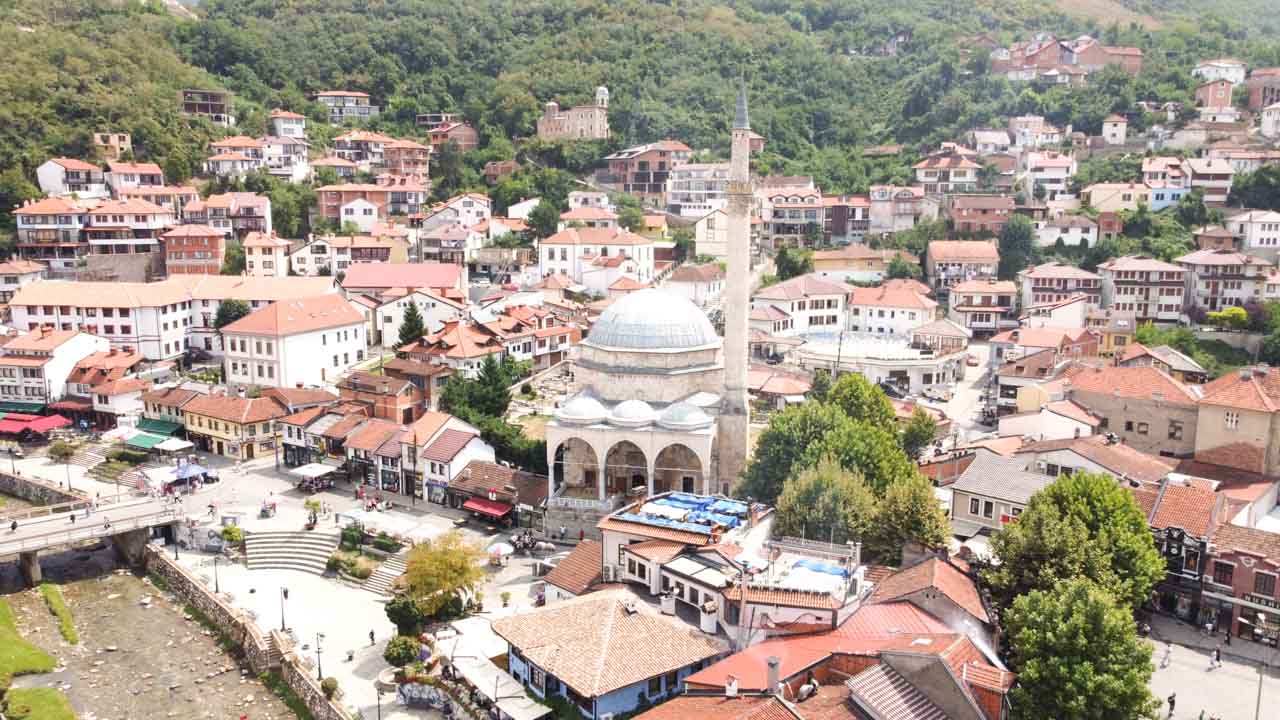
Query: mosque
660, 400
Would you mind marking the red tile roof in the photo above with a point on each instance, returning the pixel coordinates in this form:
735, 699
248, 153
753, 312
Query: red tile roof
1119, 459
596, 236
963, 250
582, 569
803, 286
293, 317
719, 707
659, 551
1193, 507
891, 297
446, 447
936, 574
170, 397
123, 386
405, 275
1138, 383
73, 164
234, 409
1260, 391
1233, 538
371, 435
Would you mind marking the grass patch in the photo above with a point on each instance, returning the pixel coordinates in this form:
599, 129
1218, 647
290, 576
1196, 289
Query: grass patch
352, 563
17, 656
110, 470
278, 687
534, 426
224, 641
38, 704
58, 606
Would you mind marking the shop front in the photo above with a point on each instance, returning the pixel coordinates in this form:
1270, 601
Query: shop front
490, 510
1259, 619
390, 480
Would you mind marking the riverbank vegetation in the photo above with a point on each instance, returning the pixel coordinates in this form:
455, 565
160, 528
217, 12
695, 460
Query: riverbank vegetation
57, 605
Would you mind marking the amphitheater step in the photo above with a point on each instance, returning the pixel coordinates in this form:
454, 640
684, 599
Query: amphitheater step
384, 578
281, 550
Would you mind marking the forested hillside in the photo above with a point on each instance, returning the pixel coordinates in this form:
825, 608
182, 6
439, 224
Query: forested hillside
822, 84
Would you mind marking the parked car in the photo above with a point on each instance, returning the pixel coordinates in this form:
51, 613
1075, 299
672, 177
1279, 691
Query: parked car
971, 360
938, 394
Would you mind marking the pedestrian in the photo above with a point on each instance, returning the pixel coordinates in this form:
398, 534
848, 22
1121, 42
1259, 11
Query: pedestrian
73, 517
1201, 715
563, 531
13, 526
1217, 656
1173, 698
1168, 655
371, 643
1228, 634
582, 534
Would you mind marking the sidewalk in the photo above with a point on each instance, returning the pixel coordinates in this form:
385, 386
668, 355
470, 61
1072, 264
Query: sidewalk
1167, 629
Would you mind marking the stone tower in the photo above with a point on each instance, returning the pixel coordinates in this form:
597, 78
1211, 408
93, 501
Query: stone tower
734, 432
602, 97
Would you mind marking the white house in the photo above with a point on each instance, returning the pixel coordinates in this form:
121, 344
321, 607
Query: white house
699, 283
121, 175
1071, 229
1212, 175
1259, 231
286, 157
360, 212
14, 274
1115, 130
60, 177
983, 306
1271, 121
288, 124
1051, 171
34, 367
1056, 420
435, 310
814, 304
308, 341
119, 397
1231, 70
895, 309
580, 252
521, 210
265, 255
711, 235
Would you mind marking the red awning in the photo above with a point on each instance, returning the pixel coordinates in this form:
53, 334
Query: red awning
492, 508
19, 417
12, 427
45, 424
72, 405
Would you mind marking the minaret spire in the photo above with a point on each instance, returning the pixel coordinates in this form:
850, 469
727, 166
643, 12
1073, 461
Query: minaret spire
734, 433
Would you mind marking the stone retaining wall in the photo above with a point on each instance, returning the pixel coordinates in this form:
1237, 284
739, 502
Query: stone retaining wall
35, 490
243, 631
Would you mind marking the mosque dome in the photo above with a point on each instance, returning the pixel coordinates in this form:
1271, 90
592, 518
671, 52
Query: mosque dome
684, 416
631, 413
582, 410
652, 320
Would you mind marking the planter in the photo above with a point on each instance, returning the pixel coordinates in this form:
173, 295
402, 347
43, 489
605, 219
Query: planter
386, 679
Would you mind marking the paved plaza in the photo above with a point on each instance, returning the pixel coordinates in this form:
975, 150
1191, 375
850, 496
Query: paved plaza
1246, 687
343, 613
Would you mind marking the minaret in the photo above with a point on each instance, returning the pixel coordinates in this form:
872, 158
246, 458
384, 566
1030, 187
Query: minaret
734, 413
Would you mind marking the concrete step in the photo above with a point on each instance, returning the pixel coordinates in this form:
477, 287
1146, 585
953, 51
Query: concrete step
382, 579
284, 550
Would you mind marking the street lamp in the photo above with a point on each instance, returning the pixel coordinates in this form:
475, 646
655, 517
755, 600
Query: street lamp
216, 589
319, 671
379, 703
284, 595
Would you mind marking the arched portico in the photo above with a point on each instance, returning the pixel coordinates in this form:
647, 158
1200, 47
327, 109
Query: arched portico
575, 468
678, 468
626, 466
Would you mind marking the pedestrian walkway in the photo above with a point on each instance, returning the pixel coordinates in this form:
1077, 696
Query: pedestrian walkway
1167, 629
383, 579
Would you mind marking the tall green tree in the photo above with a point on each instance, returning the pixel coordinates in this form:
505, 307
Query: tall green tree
411, 327
1077, 655
1017, 246
790, 263
233, 258
492, 389
782, 444
229, 311
909, 512
631, 218
1080, 525
821, 385
900, 268
920, 431
862, 400
872, 450
826, 502
544, 219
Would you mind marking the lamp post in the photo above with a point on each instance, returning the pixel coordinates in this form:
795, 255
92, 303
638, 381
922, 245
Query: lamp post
216, 589
319, 671
284, 595
379, 703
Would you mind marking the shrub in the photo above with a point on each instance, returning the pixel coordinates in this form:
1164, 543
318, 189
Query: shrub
386, 543
329, 686
401, 650
133, 457
404, 612
352, 537
332, 563
233, 534
58, 606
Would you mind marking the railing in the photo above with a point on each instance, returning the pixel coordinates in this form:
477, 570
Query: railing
47, 510
88, 530
606, 505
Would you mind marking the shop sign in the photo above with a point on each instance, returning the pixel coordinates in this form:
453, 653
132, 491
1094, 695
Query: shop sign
1262, 600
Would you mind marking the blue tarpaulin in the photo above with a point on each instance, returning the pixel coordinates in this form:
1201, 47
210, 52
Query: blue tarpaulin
189, 470
817, 566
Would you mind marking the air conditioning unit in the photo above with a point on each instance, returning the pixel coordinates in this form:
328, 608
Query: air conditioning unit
609, 573
1041, 465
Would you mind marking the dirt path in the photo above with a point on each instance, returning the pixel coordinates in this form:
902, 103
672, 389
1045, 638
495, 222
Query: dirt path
139, 656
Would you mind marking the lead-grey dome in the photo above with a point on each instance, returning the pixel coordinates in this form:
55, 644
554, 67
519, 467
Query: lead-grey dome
631, 413
582, 410
684, 416
652, 320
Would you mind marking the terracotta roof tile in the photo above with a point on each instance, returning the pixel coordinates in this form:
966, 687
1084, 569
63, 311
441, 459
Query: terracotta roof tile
889, 297
1260, 391
784, 597
659, 551
481, 476
596, 236
234, 409
1250, 540
963, 250
604, 641
802, 287
1192, 507
652, 531
719, 707
582, 569
294, 317
1119, 459
937, 574
174, 397
1146, 383
447, 446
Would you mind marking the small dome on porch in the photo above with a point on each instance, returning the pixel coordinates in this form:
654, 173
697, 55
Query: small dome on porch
683, 416
632, 413
582, 410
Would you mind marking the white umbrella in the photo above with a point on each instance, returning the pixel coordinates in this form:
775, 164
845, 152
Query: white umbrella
501, 548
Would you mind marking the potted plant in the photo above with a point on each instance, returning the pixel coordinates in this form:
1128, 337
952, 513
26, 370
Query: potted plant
506, 598
312, 506
479, 601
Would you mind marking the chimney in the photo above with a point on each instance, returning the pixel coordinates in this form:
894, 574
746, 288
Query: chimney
774, 680
298, 385
731, 687
111, 352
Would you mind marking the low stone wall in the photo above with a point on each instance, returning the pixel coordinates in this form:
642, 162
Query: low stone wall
1249, 342
243, 631
36, 491
235, 623
304, 684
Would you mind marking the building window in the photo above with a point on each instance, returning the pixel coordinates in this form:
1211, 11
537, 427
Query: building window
973, 506
1232, 419
1223, 572
1175, 430
1128, 426
1264, 584
988, 509
1143, 428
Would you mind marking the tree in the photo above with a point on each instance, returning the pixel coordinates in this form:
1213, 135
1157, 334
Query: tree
900, 268
229, 311
404, 613
1234, 317
782, 444
1017, 246
909, 512
631, 218
788, 263
873, 450
441, 570
920, 431
401, 650
821, 385
491, 390
861, 400
411, 327
1080, 525
61, 451
233, 258
1259, 189
1077, 656
544, 219
825, 502
447, 168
